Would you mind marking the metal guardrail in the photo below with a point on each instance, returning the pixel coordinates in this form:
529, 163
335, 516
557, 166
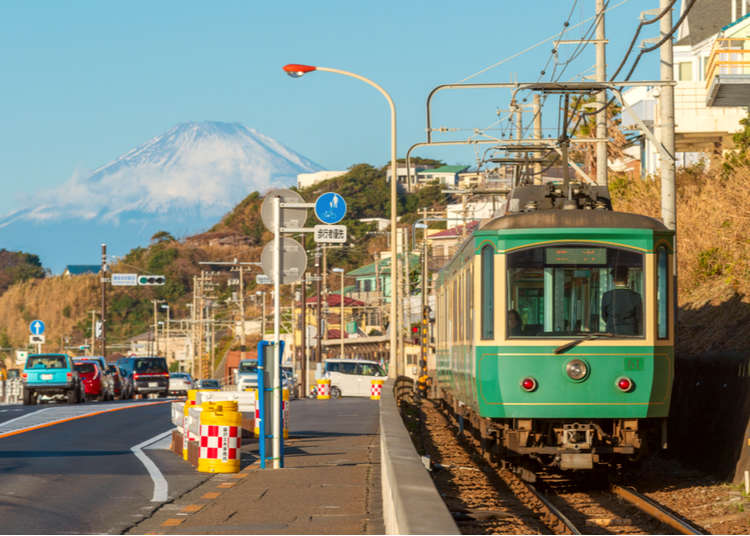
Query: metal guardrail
11, 391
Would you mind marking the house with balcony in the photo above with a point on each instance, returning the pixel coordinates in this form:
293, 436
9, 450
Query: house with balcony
728, 66
701, 128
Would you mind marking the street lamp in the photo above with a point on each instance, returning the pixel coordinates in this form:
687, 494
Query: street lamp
341, 306
295, 71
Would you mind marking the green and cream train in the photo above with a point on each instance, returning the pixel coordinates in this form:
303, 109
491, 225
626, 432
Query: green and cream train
555, 331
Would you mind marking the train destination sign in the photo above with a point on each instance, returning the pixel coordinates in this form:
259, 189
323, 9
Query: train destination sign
576, 255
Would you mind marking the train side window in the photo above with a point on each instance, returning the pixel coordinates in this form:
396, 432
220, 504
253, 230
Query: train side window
662, 292
488, 292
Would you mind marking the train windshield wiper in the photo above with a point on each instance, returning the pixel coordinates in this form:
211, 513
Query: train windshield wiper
572, 344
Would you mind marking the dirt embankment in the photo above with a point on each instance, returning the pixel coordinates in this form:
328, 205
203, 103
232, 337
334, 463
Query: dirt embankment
713, 248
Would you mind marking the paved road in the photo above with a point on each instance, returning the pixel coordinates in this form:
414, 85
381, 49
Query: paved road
81, 476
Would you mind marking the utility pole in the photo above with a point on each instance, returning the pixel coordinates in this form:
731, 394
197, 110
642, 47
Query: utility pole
517, 170
319, 308
193, 327
601, 97
666, 119
92, 348
538, 136
212, 352
325, 287
103, 280
155, 346
305, 355
242, 312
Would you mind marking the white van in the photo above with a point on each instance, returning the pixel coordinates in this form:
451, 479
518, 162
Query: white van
352, 377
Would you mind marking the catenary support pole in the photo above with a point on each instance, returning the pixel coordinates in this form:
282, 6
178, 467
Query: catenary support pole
666, 119
601, 97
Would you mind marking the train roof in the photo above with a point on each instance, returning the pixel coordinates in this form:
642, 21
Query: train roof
573, 218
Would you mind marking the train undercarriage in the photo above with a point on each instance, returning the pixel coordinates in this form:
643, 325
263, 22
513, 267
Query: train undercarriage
565, 444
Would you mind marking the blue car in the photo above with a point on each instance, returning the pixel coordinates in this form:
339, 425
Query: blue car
51, 374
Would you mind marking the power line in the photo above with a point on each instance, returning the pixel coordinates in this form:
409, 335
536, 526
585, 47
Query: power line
538, 44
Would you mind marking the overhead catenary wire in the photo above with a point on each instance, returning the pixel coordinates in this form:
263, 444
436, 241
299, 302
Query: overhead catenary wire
538, 44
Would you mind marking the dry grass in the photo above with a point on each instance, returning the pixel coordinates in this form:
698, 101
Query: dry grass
713, 235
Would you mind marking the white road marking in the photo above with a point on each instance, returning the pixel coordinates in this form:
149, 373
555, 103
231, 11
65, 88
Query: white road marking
160, 483
4, 424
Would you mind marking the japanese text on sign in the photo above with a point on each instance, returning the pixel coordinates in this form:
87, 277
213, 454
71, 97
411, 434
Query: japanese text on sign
330, 234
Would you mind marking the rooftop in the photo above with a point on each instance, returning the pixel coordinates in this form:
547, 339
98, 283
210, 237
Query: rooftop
78, 269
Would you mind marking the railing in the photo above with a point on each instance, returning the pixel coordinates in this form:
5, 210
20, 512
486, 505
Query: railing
728, 56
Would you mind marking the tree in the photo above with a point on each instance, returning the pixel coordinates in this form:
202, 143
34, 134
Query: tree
162, 236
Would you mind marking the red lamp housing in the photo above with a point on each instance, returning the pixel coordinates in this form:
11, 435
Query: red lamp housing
624, 384
528, 384
296, 70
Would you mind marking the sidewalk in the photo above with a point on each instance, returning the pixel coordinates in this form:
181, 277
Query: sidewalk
330, 483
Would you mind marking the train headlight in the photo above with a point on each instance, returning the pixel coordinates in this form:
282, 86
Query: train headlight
624, 384
577, 369
528, 384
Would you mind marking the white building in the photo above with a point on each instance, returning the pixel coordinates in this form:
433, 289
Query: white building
460, 213
402, 175
305, 180
699, 129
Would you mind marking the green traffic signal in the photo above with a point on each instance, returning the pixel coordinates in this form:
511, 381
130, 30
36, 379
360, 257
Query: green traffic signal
151, 279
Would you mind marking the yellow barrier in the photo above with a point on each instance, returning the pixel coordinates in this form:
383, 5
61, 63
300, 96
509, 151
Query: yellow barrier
376, 389
324, 389
220, 438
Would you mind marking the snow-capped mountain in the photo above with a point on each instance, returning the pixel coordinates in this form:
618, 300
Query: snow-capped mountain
182, 181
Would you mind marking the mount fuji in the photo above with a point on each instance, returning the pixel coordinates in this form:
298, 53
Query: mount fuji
182, 182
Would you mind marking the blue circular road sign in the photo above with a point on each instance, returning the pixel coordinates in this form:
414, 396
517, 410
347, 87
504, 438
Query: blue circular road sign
330, 208
36, 327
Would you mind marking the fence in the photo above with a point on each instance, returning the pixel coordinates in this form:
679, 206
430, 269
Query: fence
11, 391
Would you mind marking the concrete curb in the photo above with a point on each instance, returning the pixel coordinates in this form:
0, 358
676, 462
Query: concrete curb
411, 504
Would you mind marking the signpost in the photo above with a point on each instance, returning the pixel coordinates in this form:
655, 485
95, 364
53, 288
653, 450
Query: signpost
124, 280
36, 328
293, 260
284, 261
330, 208
263, 279
330, 234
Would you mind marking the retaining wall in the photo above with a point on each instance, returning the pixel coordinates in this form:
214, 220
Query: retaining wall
411, 504
710, 413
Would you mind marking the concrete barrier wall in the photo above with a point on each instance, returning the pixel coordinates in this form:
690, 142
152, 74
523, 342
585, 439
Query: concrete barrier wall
710, 413
411, 504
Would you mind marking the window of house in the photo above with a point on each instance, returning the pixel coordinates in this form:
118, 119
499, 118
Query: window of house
685, 70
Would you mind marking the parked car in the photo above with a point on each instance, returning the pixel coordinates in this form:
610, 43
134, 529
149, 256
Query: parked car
51, 375
92, 379
107, 380
209, 384
180, 383
147, 375
117, 383
352, 377
288, 381
247, 374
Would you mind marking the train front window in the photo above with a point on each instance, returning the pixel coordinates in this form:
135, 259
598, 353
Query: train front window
575, 290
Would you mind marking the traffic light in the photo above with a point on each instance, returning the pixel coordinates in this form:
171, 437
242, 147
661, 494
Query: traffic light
415, 333
151, 279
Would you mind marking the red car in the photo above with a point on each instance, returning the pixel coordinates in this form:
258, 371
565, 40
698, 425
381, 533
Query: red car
92, 379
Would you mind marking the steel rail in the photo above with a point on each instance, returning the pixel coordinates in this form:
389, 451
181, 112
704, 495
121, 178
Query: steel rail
654, 509
552, 508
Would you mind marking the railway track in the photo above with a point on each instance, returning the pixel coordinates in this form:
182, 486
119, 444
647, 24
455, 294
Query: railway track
485, 498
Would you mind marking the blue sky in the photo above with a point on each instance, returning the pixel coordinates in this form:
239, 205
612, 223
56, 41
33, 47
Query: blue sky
85, 81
